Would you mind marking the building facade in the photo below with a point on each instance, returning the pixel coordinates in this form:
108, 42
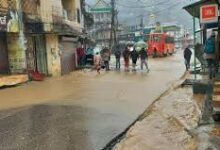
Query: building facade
101, 30
39, 35
136, 33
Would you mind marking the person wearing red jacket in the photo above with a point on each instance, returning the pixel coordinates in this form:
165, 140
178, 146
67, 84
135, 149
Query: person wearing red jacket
80, 56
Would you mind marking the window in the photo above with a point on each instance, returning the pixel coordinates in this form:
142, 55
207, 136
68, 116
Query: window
169, 39
78, 15
156, 38
102, 16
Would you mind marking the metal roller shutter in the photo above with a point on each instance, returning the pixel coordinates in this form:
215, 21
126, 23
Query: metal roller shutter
4, 65
68, 60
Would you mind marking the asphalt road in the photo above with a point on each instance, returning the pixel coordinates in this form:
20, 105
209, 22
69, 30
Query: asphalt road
83, 110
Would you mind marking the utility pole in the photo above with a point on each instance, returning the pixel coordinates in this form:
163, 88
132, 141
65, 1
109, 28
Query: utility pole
113, 30
142, 22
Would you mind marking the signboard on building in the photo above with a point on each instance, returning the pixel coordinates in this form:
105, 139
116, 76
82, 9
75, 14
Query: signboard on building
70, 39
209, 13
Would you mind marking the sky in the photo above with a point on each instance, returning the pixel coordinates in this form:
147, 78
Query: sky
165, 11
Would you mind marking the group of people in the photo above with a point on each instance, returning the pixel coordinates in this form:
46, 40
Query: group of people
134, 55
102, 59
209, 55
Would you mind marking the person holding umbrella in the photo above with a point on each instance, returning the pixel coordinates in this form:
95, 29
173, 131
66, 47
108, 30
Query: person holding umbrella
141, 47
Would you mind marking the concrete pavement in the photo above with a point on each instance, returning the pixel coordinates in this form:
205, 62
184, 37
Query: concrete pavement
83, 110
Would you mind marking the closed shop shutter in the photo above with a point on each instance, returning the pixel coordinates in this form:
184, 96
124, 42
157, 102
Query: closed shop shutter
4, 65
68, 60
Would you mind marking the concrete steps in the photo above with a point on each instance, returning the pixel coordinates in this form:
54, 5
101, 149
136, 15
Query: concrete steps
216, 98
216, 101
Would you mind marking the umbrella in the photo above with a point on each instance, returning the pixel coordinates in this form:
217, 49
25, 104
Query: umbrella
140, 45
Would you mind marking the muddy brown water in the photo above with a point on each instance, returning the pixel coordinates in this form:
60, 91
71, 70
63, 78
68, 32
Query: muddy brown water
82, 110
169, 121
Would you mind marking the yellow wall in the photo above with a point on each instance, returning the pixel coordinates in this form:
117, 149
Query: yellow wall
16, 54
53, 55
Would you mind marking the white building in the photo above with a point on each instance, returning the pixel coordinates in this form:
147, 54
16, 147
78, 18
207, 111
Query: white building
102, 13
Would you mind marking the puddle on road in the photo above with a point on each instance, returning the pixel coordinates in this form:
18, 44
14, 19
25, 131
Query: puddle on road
167, 125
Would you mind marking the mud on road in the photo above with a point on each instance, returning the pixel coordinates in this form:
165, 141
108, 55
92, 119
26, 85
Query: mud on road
166, 124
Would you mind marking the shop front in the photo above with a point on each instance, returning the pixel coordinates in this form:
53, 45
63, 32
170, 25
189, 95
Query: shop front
68, 45
36, 54
205, 12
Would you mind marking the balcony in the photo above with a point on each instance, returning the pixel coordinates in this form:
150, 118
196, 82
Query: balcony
30, 10
65, 18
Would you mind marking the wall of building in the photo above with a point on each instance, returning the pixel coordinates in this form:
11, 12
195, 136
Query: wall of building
16, 54
53, 55
46, 10
78, 6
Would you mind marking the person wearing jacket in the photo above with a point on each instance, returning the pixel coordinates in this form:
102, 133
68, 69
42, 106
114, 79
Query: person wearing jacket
187, 56
209, 55
143, 57
134, 58
118, 57
106, 54
126, 55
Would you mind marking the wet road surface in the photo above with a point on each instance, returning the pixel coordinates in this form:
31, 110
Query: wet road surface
166, 124
83, 110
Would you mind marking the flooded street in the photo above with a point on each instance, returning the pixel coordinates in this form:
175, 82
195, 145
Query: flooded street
109, 75
84, 111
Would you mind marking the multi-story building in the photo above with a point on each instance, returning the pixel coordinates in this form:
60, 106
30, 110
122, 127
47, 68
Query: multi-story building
11, 55
136, 33
41, 35
101, 30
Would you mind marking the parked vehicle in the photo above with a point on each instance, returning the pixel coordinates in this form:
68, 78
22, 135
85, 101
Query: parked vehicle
160, 44
89, 56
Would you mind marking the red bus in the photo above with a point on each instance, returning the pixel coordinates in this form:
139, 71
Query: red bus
160, 44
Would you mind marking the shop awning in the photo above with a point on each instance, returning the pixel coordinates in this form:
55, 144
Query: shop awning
194, 9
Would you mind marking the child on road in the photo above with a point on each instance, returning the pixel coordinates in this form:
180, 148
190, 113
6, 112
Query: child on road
97, 62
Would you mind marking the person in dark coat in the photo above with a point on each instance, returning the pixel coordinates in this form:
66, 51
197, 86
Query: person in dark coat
210, 55
118, 57
187, 57
143, 57
134, 58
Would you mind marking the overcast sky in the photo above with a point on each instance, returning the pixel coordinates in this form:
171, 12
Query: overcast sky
165, 11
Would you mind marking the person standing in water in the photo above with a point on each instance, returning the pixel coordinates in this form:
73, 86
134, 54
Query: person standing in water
134, 58
143, 57
97, 62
